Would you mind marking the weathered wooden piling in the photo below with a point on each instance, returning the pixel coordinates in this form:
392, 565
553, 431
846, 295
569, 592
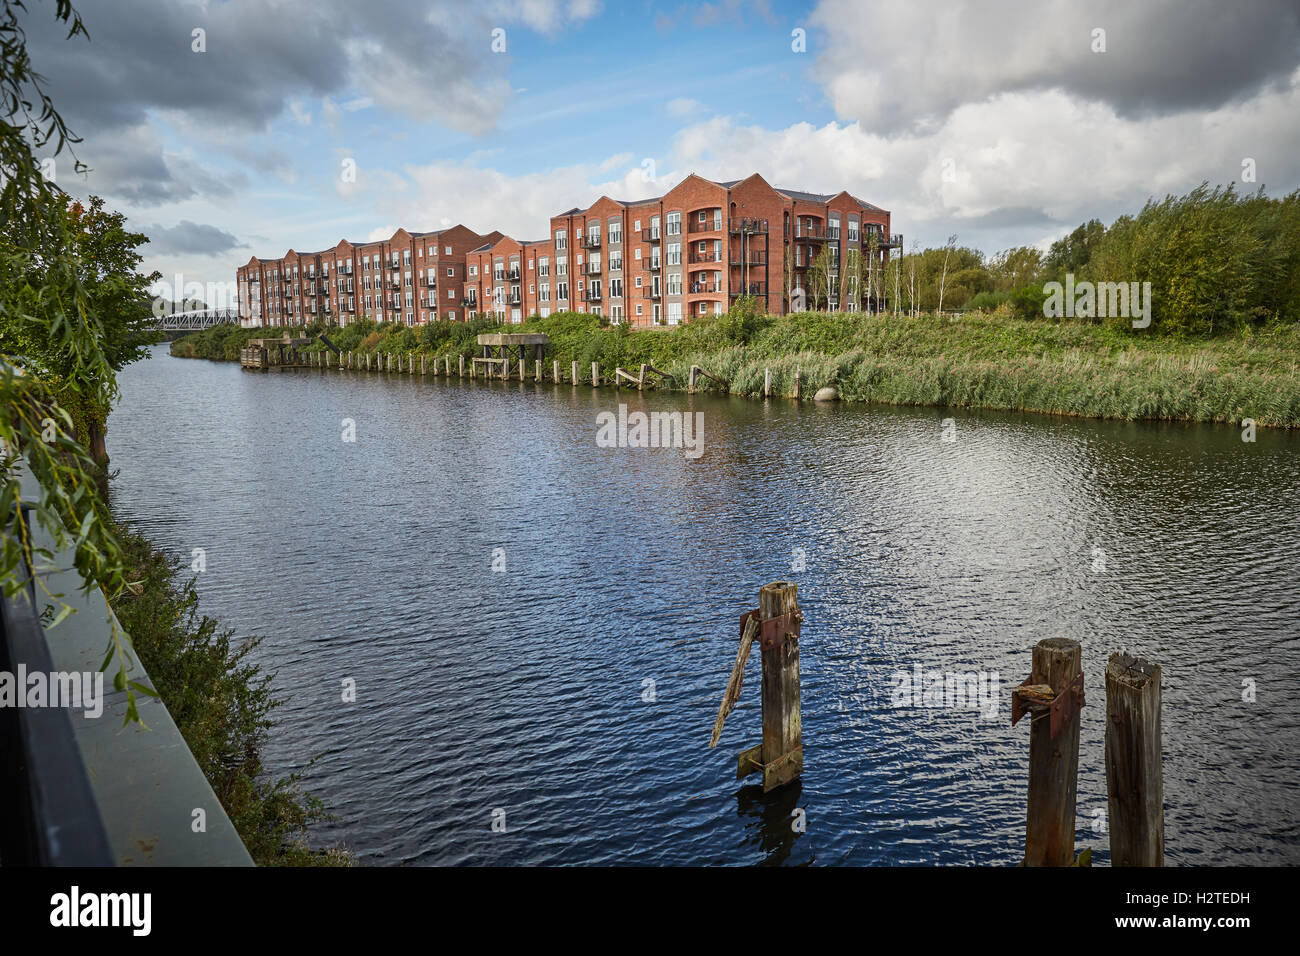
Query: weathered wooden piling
595, 375
767, 383
1052, 695
775, 624
555, 371
690, 381
798, 384
538, 370
575, 373
462, 366
1134, 779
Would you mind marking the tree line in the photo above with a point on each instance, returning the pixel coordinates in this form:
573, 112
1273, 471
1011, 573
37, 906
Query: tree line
1216, 260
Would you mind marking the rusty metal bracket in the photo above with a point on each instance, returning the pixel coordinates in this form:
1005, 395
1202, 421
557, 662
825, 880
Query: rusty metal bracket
1061, 708
772, 632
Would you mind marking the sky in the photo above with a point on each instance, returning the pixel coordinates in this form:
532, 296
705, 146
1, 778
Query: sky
225, 129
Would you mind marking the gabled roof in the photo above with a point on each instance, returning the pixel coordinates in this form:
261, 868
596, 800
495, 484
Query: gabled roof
802, 196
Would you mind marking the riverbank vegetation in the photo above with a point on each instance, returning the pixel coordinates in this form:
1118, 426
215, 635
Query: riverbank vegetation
74, 311
975, 360
1216, 259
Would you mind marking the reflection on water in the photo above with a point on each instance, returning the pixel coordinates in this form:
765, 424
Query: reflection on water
524, 690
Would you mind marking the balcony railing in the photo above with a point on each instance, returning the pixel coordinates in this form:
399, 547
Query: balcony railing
651, 293
751, 257
704, 288
589, 241
592, 296
751, 288
651, 265
705, 257
709, 225
747, 227
815, 233
592, 268
650, 235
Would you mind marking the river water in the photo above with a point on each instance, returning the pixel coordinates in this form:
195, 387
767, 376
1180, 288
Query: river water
569, 693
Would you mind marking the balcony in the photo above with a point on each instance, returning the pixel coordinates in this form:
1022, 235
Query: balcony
704, 288
592, 268
589, 241
814, 232
512, 275
752, 288
710, 225
650, 235
469, 303
697, 257
752, 257
593, 296
651, 265
649, 293
747, 227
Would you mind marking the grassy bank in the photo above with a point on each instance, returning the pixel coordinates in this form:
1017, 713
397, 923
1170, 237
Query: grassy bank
221, 703
979, 360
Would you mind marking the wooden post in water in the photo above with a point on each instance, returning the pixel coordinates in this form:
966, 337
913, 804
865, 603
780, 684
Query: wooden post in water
1052, 696
446, 365
462, 366
555, 371
690, 381
640, 385
780, 756
575, 373
1134, 781
537, 363
767, 383
521, 366
798, 383
595, 375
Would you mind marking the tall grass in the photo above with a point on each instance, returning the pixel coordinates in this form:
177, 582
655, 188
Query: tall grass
978, 360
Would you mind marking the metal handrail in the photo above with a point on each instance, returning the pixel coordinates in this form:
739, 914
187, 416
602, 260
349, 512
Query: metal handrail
48, 812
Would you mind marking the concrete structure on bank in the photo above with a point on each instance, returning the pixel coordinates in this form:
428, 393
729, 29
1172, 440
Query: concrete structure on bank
692, 251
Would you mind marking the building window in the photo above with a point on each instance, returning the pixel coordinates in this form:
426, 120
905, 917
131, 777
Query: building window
561, 240
674, 224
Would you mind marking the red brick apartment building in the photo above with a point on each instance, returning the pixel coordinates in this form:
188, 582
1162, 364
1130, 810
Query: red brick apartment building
689, 252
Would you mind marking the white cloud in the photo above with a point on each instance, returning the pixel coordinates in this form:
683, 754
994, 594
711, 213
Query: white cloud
902, 66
